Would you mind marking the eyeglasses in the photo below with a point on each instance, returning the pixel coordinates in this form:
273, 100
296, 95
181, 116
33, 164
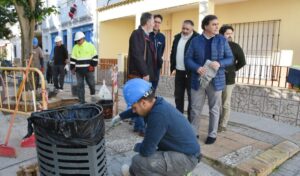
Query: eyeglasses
158, 22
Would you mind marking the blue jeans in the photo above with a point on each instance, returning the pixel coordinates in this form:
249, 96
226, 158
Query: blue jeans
155, 83
139, 124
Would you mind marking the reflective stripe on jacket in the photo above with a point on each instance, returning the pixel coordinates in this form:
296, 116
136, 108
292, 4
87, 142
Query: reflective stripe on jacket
83, 56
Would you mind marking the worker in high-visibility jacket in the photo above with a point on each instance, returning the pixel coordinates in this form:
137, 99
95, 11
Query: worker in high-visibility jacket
83, 61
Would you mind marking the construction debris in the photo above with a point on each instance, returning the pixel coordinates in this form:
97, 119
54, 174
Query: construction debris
31, 170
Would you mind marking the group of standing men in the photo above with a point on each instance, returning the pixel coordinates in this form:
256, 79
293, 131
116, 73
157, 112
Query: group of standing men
189, 53
194, 58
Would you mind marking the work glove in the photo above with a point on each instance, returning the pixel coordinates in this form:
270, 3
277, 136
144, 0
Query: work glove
91, 68
115, 120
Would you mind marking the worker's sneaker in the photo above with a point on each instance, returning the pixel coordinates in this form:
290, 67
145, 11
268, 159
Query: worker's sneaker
141, 133
221, 129
210, 140
125, 170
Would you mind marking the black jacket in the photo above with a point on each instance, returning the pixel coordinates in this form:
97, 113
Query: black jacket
238, 63
60, 55
174, 48
140, 62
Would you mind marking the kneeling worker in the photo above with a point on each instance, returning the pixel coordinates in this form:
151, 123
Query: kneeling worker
170, 146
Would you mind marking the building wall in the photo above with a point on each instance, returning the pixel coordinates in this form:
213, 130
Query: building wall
259, 10
114, 37
167, 22
180, 16
58, 23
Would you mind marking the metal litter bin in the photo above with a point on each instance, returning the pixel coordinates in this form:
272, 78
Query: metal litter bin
65, 147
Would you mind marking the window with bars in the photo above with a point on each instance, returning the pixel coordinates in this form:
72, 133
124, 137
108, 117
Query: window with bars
260, 42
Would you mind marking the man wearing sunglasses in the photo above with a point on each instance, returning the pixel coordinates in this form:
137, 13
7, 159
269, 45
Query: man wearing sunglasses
182, 76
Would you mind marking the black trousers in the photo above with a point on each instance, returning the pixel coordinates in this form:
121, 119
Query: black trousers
182, 84
58, 76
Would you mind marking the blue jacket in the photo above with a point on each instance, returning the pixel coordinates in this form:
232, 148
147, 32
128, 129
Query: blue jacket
195, 58
159, 41
167, 130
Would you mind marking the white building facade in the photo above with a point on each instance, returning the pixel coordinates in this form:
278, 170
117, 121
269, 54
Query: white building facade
63, 25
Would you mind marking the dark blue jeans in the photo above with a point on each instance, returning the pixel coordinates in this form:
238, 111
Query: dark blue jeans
139, 124
90, 80
155, 83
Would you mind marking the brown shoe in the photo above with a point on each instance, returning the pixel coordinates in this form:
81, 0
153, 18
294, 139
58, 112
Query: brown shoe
221, 129
142, 134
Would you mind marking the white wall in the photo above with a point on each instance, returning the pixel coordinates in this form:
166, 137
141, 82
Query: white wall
59, 23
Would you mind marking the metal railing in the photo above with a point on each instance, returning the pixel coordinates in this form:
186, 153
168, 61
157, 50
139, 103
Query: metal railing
263, 75
33, 98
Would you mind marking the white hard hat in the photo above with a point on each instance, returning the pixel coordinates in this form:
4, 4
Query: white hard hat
58, 39
79, 35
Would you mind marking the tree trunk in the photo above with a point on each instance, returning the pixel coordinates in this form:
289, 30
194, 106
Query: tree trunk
27, 30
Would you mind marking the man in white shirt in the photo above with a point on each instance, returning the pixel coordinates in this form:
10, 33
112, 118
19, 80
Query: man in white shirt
182, 77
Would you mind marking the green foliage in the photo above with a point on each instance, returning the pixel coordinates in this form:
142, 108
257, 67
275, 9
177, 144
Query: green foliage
7, 15
40, 11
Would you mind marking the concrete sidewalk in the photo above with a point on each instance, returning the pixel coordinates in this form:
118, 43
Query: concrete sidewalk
252, 145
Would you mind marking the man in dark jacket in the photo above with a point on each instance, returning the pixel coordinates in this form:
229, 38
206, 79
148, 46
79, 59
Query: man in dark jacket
213, 48
170, 146
142, 61
159, 42
60, 57
180, 45
238, 63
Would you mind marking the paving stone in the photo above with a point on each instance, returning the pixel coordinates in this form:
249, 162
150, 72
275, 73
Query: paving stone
252, 167
238, 138
287, 147
264, 163
240, 155
229, 143
256, 134
214, 152
261, 145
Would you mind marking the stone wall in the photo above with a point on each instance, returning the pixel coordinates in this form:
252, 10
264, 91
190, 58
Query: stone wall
275, 103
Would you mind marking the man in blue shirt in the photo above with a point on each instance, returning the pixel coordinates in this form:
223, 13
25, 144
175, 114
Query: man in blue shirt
213, 47
170, 146
159, 42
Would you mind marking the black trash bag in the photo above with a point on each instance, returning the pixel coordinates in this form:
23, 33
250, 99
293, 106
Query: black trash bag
70, 125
